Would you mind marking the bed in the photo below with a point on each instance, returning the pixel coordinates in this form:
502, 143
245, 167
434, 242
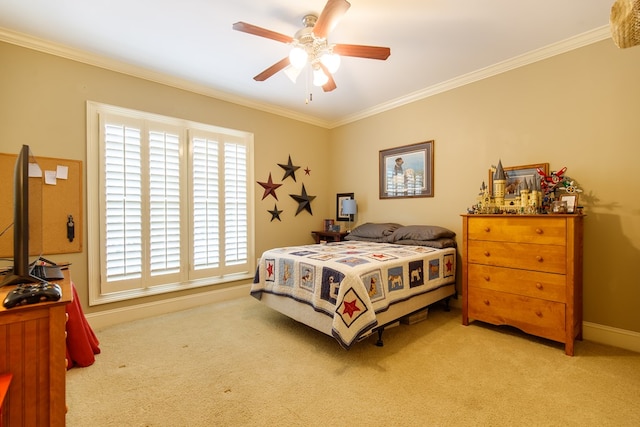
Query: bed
351, 289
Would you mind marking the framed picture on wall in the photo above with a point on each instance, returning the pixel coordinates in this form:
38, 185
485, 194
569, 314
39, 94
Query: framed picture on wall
406, 171
340, 216
518, 174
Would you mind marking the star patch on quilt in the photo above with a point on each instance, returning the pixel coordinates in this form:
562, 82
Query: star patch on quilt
449, 262
270, 269
351, 307
379, 256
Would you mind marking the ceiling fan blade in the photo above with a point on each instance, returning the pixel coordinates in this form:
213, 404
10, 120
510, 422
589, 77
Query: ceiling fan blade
272, 70
262, 32
330, 84
333, 11
370, 52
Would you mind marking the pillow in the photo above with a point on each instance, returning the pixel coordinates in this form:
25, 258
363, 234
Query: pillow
374, 230
444, 242
420, 232
366, 239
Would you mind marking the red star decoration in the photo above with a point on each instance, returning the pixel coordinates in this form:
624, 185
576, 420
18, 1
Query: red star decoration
270, 269
269, 188
307, 171
350, 307
449, 265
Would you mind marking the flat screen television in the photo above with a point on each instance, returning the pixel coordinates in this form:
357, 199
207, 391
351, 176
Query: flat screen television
27, 219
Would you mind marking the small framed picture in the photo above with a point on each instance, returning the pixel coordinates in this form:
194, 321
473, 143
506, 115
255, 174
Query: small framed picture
341, 216
572, 202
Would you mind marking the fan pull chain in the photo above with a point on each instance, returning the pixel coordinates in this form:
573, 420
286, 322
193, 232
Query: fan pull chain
306, 83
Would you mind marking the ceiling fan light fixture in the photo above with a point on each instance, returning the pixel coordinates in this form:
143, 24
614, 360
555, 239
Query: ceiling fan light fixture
319, 77
309, 46
292, 73
331, 61
298, 57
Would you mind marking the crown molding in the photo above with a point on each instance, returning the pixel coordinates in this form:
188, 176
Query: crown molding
49, 47
549, 51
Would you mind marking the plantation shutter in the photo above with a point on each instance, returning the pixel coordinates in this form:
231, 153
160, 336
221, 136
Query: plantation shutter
164, 203
173, 205
235, 196
206, 204
123, 202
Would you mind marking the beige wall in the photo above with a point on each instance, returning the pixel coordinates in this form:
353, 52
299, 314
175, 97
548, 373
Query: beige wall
43, 104
577, 110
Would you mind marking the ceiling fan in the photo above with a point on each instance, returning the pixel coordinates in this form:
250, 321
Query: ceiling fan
310, 46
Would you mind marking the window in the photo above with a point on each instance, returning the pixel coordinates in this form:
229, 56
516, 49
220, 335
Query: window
169, 204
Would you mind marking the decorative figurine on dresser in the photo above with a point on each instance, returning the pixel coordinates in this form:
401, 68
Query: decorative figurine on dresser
522, 255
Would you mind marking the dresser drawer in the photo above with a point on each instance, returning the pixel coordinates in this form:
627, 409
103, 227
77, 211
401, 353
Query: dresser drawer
550, 231
547, 286
526, 256
532, 315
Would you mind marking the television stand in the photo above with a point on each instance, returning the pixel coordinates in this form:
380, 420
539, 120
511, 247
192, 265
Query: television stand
35, 333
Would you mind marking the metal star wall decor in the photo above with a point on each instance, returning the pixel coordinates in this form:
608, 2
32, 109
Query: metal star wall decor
289, 170
307, 171
275, 213
304, 201
269, 188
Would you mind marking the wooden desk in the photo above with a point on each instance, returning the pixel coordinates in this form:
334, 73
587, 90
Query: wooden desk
329, 236
32, 349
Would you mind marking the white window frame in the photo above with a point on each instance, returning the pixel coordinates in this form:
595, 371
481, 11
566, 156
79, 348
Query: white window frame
101, 292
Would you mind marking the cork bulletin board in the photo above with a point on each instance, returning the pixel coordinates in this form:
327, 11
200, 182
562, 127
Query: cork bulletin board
61, 197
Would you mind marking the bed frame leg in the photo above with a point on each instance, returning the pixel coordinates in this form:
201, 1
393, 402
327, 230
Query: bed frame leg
446, 304
379, 343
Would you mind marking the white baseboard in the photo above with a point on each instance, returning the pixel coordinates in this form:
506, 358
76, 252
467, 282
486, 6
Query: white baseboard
108, 318
608, 335
602, 334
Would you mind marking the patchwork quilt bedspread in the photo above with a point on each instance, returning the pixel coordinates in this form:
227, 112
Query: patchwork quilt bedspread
352, 281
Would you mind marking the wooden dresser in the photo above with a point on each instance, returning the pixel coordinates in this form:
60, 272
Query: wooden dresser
524, 271
32, 350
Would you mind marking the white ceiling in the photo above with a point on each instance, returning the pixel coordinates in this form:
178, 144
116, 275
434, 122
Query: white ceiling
434, 44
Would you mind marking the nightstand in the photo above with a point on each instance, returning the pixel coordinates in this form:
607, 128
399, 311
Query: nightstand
329, 236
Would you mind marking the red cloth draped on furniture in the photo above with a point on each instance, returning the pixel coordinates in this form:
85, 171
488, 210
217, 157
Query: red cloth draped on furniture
82, 343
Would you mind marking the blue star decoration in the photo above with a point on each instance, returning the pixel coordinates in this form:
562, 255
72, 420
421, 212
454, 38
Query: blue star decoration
269, 188
275, 213
304, 201
289, 170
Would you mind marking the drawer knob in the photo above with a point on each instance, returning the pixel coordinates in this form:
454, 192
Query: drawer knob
487, 253
486, 302
487, 278
539, 231
487, 229
538, 313
539, 258
539, 286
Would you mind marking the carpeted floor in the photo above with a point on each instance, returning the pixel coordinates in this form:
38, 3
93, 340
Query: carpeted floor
240, 363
